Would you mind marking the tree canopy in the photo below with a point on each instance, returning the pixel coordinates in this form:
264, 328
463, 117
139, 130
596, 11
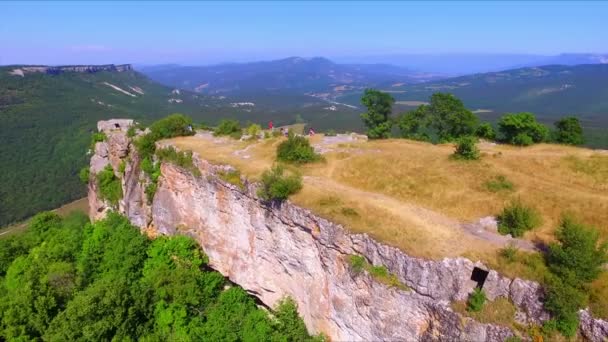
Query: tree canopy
445, 117
377, 119
569, 131
522, 129
70, 280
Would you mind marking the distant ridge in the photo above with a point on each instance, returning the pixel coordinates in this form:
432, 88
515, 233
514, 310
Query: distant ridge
21, 70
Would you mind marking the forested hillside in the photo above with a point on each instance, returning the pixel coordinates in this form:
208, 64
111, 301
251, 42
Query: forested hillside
47, 119
69, 280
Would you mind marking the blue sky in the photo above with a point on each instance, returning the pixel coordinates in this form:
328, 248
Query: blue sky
203, 32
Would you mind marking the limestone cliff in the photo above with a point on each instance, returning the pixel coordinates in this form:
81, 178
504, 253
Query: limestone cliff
277, 250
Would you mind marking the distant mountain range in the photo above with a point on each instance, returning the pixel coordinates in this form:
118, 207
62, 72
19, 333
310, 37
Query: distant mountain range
463, 64
289, 75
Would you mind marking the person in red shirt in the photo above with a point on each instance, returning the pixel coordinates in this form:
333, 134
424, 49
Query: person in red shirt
270, 126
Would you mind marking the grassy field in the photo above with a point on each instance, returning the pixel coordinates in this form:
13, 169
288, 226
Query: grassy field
78, 205
412, 195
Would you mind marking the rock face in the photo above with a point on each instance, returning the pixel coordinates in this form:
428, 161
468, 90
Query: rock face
72, 68
277, 250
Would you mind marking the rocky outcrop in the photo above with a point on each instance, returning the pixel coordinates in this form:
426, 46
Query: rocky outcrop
274, 250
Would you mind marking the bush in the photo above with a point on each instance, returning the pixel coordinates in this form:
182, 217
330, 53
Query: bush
522, 139
509, 253
296, 149
357, 263
84, 175
499, 183
150, 191
476, 300
131, 132
253, 130
228, 127
233, 177
97, 137
522, 129
278, 186
564, 301
569, 131
517, 218
331, 133
466, 149
109, 185
578, 257
122, 167
174, 125
180, 158
485, 131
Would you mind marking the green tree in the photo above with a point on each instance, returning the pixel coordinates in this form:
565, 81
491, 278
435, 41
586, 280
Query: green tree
450, 118
414, 124
522, 129
577, 257
377, 119
485, 131
569, 131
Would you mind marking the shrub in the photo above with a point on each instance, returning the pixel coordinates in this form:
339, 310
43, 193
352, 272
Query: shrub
232, 177
509, 252
577, 257
569, 131
564, 301
522, 129
466, 149
476, 300
331, 133
253, 130
522, 139
499, 183
174, 125
122, 167
84, 174
485, 131
180, 158
517, 218
357, 263
150, 191
97, 137
278, 186
296, 149
228, 127
131, 132
347, 211
109, 185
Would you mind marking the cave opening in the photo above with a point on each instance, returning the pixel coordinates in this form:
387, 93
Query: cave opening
479, 275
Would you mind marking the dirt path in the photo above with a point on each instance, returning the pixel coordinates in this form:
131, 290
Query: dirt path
440, 224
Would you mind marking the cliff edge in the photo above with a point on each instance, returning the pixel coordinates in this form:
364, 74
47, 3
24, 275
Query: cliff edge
275, 250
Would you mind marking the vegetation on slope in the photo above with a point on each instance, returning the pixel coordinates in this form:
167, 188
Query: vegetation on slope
47, 121
67, 280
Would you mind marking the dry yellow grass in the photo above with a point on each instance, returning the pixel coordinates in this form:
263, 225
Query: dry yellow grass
500, 311
411, 194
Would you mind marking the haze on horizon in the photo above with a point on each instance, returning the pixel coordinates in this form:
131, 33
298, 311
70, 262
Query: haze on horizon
198, 33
